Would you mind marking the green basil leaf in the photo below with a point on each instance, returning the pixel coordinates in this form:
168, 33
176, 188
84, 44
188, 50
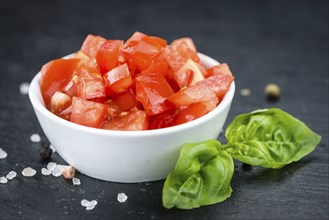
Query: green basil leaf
270, 138
202, 176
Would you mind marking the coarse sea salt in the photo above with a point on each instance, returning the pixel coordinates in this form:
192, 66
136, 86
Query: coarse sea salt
29, 172
88, 204
24, 88
122, 197
51, 166
58, 170
11, 175
3, 180
46, 172
52, 148
35, 138
3, 154
76, 181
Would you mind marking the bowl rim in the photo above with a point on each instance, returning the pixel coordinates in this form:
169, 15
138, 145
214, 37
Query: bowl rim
37, 102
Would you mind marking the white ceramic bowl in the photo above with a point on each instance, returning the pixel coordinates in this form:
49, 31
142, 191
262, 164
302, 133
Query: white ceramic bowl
126, 156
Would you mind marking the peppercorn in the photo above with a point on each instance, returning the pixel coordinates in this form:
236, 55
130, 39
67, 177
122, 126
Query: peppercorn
45, 152
272, 92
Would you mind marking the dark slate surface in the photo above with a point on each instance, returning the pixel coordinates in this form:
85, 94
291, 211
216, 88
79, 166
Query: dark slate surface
263, 41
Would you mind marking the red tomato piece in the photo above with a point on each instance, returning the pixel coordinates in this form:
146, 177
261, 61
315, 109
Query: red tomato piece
125, 100
54, 77
132, 121
59, 102
221, 69
88, 113
177, 55
71, 87
188, 75
107, 56
187, 40
140, 49
193, 111
152, 91
117, 80
193, 94
91, 45
162, 120
220, 84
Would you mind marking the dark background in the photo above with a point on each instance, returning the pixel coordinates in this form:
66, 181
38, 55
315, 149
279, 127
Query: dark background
283, 42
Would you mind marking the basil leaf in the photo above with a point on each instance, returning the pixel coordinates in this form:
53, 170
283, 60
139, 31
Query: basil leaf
202, 176
270, 138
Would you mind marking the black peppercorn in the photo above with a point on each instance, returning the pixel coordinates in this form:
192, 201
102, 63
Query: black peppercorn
45, 152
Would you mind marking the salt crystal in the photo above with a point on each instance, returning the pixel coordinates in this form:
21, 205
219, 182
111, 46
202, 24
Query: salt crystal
58, 170
28, 172
46, 172
52, 148
68, 172
3, 180
91, 205
122, 197
3, 154
85, 202
24, 88
245, 92
76, 181
35, 138
51, 166
11, 175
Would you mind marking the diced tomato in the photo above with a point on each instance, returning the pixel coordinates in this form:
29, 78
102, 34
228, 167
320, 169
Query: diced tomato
160, 66
108, 55
220, 84
125, 100
132, 121
54, 77
193, 111
188, 75
194, 94
59, 101
80, 55
71, 87
152, 91
140, 49
91, 45
117, 80
88, 113
177, 55
162, 120
221, 69
187, 40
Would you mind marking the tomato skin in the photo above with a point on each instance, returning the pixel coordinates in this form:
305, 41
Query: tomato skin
107, 56
54, 77
189, 42
59, 102
188, 75
220, 84
193, 94
125, 100
221, 69
88, 113
132, 121
117, 80
141, 49
91, 45
152, 91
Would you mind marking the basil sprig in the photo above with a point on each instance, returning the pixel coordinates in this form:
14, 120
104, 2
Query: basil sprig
269, 138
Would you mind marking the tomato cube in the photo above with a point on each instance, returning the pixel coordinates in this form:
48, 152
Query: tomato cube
59, 102
125, 100
193, 94
189, 42
152, 91
140, 49
221, 69
220, 84
88, 113
91, 45
132, 121
188, 75
58, 71
108, 55
117, 80
162, 120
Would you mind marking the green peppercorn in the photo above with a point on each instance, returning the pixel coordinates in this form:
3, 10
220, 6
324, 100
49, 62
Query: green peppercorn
272, 91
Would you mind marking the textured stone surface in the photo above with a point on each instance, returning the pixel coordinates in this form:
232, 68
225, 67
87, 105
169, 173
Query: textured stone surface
263, 41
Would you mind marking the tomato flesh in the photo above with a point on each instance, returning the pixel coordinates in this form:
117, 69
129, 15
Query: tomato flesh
132, 121
192, 112
118, 79
221, 69
88, 113
54, 77
91, 45
220, 84
152, 91
125, 100
107, 56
